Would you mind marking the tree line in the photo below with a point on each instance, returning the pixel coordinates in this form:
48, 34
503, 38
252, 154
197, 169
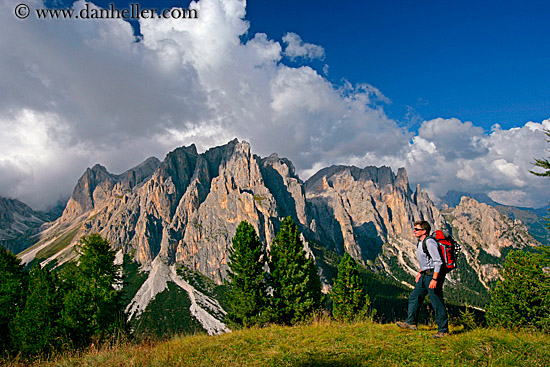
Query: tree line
282, 285
45, 310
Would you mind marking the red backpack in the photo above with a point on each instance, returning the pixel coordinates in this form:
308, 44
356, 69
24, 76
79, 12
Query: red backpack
448, 248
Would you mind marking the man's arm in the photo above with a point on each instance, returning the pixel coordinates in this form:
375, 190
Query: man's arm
433, 249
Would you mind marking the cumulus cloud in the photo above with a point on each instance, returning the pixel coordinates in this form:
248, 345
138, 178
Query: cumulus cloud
450, 154
80, 92
296, 48
454, 139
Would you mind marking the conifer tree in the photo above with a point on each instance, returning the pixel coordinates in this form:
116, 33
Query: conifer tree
247, 298
13, 284
293, 277
543, 163
92, 305
35, 329
522, 297
350, 300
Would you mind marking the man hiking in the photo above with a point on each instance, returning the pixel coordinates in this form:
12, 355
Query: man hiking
429, 280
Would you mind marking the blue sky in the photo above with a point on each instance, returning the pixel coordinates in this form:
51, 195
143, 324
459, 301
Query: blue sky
482, 61
458, 93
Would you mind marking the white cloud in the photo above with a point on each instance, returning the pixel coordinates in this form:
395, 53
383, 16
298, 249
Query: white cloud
510, 170
296, 48
453, 138
452, 155
32, 144
80, 92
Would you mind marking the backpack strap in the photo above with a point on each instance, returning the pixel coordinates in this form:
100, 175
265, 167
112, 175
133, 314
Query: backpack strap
425, 248
444, 267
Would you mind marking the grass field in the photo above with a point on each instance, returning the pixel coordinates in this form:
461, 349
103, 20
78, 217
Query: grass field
325, 343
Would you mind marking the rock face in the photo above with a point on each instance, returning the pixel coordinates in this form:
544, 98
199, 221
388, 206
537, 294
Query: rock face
18, 222
13, 214
485, 231
97, 185
185, 210
364, 211
483, 227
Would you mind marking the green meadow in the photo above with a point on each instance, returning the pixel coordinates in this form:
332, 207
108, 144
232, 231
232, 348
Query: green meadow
322, 343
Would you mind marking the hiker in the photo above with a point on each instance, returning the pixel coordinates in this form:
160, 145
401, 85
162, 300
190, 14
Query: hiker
429, 281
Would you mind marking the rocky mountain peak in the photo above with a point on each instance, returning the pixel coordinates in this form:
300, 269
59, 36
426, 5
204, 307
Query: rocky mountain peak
487, 236
96, 185
364, 211
452, 198
83, 192
186, 208
402, 180
141, 172
282, 165
377, 176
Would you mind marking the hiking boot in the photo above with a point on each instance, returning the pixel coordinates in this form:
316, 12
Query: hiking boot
439, 334
404, 325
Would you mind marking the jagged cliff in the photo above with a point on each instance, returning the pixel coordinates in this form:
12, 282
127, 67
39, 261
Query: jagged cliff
487, 236
18, 222
185, 209
368, 213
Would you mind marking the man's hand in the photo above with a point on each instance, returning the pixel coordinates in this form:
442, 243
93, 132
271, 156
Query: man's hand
433, 284
417, 277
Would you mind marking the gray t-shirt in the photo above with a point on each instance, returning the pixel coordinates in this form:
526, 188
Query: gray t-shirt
434, 262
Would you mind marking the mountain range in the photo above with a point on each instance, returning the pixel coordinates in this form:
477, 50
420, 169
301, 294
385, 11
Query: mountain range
531, 217
175, 220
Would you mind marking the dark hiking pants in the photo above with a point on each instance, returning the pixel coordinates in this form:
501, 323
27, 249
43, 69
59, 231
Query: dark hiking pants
417, 296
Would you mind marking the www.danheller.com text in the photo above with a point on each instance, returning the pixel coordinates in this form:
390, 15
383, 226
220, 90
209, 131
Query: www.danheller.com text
90, 11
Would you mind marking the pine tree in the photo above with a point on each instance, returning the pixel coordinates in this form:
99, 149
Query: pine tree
35, 329
522, 297
247, 298
13, 284
349, 297
92, 305
543, 163
293, 277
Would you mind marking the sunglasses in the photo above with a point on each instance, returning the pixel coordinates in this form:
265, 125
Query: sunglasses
418, 229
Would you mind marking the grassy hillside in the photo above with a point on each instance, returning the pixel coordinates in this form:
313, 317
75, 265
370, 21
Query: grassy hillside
326, 344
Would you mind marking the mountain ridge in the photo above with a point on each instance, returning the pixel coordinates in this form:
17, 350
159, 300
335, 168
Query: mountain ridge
533, 218
184, 211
